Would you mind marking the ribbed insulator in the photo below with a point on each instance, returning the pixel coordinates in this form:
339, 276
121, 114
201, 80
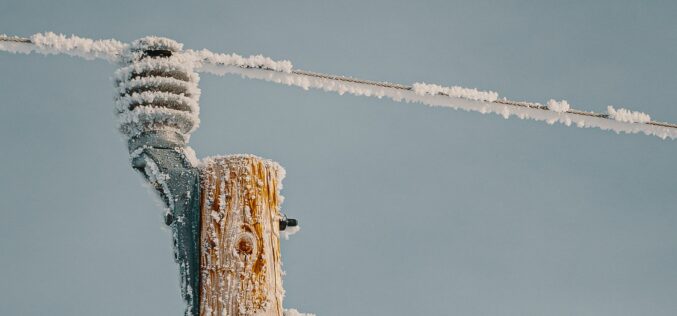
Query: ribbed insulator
157, 89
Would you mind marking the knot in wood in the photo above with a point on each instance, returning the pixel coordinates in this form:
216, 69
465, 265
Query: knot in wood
245, 246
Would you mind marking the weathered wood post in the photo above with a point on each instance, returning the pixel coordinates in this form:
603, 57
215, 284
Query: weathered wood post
240, 270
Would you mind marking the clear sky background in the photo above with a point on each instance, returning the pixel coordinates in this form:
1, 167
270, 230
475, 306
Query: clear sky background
405, 210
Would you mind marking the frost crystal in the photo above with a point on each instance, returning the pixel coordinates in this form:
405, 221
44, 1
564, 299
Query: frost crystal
459, 92
290, 231
213, 61
558, 106
51, 44
624, 115
294, 312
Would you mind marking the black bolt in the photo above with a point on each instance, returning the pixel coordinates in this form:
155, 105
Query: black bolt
287, 222
152, 53
169, 218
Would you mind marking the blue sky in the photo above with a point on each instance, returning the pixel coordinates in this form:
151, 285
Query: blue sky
405, 210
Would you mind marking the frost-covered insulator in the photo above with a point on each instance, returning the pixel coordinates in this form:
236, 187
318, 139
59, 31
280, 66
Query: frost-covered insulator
157, 89
156, 101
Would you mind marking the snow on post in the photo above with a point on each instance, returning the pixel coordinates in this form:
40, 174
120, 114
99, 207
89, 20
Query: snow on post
240, 265
294, 312
227, 241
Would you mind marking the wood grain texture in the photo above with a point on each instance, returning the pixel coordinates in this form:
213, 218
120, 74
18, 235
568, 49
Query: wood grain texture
240, 267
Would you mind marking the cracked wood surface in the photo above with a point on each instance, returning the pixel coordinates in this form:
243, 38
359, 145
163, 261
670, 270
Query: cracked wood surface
240, 266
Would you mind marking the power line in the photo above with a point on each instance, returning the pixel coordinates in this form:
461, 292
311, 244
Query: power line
401, 87
16, 39
499, 101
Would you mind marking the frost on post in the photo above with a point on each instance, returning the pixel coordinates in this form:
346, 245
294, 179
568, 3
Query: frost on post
224, 212
240, 259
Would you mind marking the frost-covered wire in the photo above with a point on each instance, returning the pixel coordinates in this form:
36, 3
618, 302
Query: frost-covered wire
51, 44
558, 106
282, 72
625, 115
459, 101
206, 61
457, 92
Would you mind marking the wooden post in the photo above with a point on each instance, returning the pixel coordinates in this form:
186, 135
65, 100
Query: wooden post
240, 267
